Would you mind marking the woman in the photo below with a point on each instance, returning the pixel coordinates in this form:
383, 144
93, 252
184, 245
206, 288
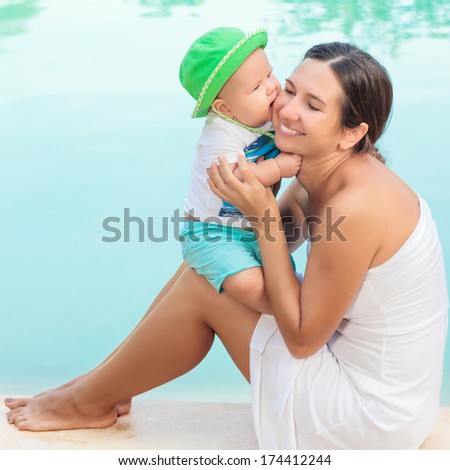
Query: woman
353, 354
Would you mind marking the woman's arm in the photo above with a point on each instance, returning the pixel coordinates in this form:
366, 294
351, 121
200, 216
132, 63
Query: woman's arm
342, 248
293, 205
308, 313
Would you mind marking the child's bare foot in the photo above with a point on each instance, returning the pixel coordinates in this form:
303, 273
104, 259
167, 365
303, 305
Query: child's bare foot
57, 410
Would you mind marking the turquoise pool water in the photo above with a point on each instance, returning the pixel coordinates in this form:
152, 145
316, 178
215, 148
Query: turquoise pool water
93, 122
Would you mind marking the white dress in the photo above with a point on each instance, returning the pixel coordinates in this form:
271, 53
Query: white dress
376, 383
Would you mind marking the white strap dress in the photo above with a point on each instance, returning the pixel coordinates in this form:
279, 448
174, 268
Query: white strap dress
376, 383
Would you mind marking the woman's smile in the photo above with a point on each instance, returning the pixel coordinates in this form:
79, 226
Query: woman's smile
288, 131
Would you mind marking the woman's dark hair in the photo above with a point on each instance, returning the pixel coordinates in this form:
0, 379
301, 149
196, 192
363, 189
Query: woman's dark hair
367, 90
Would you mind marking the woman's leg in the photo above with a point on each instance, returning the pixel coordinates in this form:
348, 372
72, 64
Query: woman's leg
122, 407
166, 344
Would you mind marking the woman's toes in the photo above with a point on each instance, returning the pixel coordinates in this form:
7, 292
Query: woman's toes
22, 424
12, 415
13, 403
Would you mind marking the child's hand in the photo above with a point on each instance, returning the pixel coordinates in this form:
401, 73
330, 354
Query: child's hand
289, 164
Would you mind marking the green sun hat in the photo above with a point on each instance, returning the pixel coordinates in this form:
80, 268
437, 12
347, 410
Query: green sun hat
212, 59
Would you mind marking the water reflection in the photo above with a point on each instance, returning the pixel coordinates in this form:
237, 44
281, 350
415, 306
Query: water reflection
14, 15
163, 8
365, 21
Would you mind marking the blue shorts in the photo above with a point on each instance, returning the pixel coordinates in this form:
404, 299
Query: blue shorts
217, 251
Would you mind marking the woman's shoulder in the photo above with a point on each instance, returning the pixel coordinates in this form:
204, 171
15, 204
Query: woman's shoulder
356, 210
354, 191
367, 185
382, 203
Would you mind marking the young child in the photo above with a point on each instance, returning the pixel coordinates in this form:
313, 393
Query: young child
230, 77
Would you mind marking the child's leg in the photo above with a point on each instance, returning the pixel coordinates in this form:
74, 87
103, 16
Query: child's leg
217, 252
248, 288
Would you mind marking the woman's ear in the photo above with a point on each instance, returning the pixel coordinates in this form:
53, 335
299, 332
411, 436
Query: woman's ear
221, 106
352, 136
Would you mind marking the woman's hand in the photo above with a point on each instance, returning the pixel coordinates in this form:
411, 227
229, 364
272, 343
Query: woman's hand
250, 196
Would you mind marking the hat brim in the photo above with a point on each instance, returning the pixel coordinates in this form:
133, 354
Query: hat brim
250, 43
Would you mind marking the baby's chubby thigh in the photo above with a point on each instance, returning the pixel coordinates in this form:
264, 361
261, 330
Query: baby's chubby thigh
247, 286
228, 257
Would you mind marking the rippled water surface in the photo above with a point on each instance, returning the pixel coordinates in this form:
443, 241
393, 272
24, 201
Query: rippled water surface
93, 123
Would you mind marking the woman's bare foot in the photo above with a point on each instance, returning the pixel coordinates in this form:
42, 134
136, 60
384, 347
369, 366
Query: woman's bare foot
13, 403
57, 410
123, 407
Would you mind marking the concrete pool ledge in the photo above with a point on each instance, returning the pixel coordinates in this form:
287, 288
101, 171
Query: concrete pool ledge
159, 425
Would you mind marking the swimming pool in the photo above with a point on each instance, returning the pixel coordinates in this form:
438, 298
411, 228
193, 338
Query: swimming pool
94, 124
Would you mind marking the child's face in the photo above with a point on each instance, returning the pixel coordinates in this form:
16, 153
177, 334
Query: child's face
248, 95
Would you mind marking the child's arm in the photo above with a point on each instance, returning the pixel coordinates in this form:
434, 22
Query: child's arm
222, 138
268, 172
